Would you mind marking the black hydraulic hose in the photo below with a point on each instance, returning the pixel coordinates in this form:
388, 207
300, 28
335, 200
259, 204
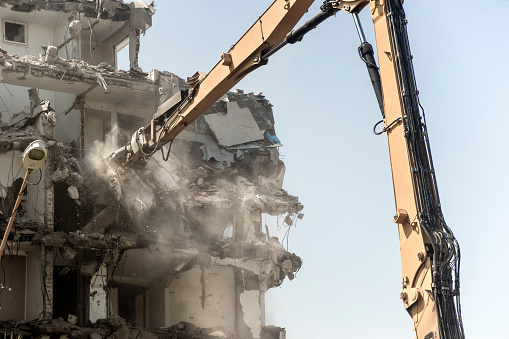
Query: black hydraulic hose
297, 34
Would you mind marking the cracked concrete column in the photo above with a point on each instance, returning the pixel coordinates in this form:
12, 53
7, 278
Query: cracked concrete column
46, 252
134, 48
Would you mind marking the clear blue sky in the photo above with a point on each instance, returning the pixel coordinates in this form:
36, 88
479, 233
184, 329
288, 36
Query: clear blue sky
325, 109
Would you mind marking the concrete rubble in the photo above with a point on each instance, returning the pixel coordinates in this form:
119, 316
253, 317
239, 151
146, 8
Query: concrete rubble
178, 249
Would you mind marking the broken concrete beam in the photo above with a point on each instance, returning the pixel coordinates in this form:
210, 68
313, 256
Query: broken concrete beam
102, 220
17, 119
56, 239
16, 140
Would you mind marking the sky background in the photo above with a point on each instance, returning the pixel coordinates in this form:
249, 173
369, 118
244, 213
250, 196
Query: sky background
325, 110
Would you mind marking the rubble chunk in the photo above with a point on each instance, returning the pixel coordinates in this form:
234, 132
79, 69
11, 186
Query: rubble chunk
95, 335
51, 54
73, 192
72, 319
60, 174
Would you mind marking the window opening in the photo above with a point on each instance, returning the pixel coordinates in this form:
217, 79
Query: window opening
122, 55
15, 32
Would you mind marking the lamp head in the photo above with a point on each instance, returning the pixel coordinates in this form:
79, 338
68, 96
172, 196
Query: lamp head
35, 155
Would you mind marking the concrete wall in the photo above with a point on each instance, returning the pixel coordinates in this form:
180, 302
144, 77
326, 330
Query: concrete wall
68, 126
100, 46
38, 35
97, 126
186, 295
157, 300
34, 300
12, 297
43, 28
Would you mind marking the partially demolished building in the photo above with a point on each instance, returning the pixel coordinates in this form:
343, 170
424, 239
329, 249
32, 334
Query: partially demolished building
178, 250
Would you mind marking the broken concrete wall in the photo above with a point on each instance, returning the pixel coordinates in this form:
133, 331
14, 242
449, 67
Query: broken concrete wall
179, 207
252, 312
203, 296
16, 100
42, 28
178, 245
35, 213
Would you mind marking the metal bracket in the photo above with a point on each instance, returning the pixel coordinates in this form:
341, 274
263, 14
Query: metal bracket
349, 6
385, 129
410, 296
226, 59
401, 216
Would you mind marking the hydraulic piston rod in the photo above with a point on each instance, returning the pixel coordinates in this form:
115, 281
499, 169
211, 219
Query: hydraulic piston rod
367, 55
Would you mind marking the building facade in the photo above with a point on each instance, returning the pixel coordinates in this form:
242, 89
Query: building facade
177, 249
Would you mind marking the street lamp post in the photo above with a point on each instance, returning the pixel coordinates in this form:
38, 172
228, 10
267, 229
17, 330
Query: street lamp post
33, 158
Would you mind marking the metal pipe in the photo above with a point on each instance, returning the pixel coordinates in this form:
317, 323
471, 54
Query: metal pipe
358, 25
15, 209
274, 50
297, 34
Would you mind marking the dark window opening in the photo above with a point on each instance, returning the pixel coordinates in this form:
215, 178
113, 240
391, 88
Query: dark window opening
15, 32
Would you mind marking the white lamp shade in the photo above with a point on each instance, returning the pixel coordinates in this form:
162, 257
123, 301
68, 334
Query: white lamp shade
35, 155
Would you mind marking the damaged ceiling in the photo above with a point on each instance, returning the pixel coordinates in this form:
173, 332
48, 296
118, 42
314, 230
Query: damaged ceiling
115, 10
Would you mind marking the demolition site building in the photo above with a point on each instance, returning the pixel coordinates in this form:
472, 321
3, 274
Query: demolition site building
176, 250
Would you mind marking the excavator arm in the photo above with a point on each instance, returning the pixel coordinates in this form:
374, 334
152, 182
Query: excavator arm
243, 57
429, 252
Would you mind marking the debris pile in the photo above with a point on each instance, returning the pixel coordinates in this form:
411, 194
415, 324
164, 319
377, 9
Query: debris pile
114, 328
